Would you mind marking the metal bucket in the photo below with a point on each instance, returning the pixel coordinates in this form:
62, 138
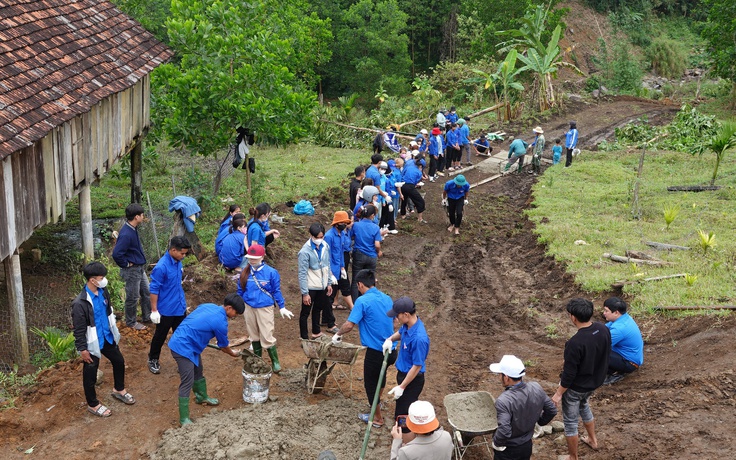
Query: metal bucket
255, 387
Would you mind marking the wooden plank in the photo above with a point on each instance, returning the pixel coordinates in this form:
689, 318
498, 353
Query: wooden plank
125, 118
40, 188
137, 108
622, 259
693, 188
87, 152
7, 212
116, 126
98, 168
49, 180
622, 283
23, 227
59, 178
486, 180
147, 100
664, 246
77, 153
65, 158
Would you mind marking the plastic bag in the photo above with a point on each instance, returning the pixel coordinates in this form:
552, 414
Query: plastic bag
304, 208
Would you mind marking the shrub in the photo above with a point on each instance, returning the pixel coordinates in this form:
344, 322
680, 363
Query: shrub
668, 57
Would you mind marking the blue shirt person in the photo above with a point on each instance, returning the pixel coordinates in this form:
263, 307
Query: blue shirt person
627, 345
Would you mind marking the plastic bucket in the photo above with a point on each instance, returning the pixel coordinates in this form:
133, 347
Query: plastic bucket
255, 387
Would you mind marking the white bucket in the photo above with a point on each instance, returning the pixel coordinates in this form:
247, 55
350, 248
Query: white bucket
255, 387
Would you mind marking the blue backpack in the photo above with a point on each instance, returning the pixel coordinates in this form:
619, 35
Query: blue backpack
304, 207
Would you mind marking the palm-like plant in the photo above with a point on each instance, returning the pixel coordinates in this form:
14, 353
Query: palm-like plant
529, 35
722, 141
545, 64
506, 76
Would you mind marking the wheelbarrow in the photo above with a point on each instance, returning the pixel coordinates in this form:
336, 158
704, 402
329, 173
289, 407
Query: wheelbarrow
320, 352
472, 417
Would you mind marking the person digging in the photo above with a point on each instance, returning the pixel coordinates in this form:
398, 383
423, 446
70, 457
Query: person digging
191, 338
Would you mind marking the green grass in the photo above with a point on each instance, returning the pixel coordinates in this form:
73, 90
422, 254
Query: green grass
592, 201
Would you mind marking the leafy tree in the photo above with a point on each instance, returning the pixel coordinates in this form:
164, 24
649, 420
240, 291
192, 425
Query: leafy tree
720, 30
371, 49
151, 14
424, 28
506, 77
233, 71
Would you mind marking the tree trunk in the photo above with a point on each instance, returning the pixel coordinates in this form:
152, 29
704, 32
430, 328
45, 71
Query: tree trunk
719, 156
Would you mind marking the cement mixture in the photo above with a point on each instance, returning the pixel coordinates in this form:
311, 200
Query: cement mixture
287, 428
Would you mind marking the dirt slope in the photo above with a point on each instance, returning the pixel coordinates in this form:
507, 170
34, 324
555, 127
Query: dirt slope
489, 292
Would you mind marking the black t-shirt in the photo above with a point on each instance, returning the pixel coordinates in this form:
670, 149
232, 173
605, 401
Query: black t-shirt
354, 186
586, 358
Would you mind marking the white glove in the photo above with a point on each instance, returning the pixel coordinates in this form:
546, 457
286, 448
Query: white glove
444, 201
495, 447
465, 202
286, 313
389, 200
399, 184
343, 274
155, 317
388, 345
390, 208
397, 392
336, 339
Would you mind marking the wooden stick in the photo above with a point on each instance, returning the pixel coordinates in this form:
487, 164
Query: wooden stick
693, 188
697, 307
489, 109
622, 283
486, 180
625, 260
665, 246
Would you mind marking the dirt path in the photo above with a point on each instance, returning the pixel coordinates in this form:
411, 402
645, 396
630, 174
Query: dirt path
489, 292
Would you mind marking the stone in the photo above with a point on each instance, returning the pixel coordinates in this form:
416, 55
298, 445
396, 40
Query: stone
547, 429
557, 426
575, 97
561, 440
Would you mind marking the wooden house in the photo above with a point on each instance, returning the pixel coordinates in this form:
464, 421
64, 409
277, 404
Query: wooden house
74, 99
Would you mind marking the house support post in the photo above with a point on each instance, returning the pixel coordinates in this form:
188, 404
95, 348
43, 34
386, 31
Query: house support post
85, 213
18, 329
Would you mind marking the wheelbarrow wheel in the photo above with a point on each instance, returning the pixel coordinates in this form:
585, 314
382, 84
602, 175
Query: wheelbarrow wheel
315, 370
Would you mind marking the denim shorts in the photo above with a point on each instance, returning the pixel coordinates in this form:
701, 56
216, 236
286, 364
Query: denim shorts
575, 404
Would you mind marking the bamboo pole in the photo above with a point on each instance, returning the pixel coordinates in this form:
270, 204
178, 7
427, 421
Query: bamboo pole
622, 259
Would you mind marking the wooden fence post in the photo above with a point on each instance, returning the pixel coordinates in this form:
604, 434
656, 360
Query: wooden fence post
18, 329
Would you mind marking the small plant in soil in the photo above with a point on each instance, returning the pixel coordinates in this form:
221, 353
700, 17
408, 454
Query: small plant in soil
670, 214
551, 331
60, 344
706, 240
690, 279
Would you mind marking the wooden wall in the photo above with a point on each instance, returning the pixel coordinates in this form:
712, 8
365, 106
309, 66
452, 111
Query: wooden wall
38, 181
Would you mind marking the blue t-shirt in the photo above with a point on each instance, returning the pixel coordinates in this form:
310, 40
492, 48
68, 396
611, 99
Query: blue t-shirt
464, 134
370, 314
99, 308
257, 232
556, 151
335, 239
454, 192
233, 249
412, 174
571, 138
452, 138
365, 235
222, 233
166, 284
197, 329
626, 339
373, 173
414, 347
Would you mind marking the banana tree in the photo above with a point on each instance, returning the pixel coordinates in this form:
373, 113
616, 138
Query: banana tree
545, 64
506, 76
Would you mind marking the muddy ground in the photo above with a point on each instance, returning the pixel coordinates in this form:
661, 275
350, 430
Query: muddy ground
491, 291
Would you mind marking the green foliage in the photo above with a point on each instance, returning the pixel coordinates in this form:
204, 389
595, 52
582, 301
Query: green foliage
690, 279
719, 30
233, 72
12, 384
151, 14
621, 70
670, 213
724, 139
707, 240
370, 50
668, 57
60, 344
456, 79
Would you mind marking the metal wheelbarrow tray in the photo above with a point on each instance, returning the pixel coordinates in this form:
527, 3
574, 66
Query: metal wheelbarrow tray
321, 351
471, 414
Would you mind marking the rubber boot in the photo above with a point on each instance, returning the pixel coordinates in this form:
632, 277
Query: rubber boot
274, 359
200, 393
184, 411
257, 348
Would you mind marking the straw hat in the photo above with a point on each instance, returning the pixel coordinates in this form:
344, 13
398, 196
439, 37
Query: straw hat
538, 130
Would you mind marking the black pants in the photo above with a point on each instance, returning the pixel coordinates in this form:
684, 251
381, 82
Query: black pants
441, 163
522, 452
320, 301
410, 192
455, 209
162, 330
387, 218
433, 165
372, 370
89, 372
269, 239
360, 262
568, 157
411, 393
616, 363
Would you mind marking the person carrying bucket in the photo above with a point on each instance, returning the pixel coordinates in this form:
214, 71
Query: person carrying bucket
191, 338
260, 288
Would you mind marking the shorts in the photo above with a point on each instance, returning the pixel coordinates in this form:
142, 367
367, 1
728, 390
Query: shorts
575, 404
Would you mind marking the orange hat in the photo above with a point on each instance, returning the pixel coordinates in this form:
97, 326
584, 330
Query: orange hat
341, 217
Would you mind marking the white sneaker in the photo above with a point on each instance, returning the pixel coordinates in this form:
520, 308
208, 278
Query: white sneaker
420, 184
393, 232
432, 179
441, 174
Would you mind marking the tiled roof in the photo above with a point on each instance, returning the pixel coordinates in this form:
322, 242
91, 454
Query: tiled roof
60, 57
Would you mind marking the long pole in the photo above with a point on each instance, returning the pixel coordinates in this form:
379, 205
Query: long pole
376, 401
153, 225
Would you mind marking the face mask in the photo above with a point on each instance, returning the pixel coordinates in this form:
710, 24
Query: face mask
317, 241
244, 230
264, 218
254, 263
342, 227
102, 283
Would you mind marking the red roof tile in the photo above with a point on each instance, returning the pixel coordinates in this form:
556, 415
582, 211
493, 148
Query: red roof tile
59, 58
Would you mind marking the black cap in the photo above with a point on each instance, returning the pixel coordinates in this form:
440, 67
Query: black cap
402, 305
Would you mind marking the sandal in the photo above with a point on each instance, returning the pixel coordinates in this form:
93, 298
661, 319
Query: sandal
338, 307
422, 221
365, 417
101, 411
127, 398
316, 336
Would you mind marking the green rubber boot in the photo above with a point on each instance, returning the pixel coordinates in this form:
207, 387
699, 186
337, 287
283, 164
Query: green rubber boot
274, 359
184, 411
200, 393
257, 349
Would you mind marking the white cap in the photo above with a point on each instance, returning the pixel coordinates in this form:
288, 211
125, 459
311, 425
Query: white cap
413, 143
510, 365
414, 153
383, 165
424, 131
421, 418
